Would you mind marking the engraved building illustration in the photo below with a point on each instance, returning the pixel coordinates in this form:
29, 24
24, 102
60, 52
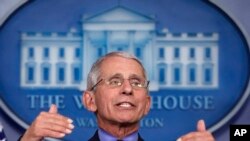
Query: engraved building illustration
172, 60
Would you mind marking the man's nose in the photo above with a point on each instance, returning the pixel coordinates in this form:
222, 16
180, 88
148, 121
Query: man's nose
126, 87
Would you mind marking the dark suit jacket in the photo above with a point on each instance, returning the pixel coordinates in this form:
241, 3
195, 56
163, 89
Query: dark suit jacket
96, 137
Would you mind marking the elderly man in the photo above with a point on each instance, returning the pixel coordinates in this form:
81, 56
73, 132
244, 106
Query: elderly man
117, 92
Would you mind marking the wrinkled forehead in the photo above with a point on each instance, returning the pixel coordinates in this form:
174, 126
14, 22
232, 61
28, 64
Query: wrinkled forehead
120, 65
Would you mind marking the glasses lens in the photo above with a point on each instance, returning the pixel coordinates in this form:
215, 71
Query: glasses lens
115, 81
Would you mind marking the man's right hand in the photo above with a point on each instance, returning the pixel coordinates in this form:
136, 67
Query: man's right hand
48, 124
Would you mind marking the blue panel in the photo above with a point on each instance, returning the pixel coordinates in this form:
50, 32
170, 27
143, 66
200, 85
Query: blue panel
162, 76
31, 74
61, 73
192, 76
177, 75
100, 52
31, 52
77, 53
61, 53
76, 74
46, 52
46, 74
192, 53
208, 75
138, 52
176, 53
161, 53
208, 53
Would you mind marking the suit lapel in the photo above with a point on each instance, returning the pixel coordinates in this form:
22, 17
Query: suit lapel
96, 137
140, 138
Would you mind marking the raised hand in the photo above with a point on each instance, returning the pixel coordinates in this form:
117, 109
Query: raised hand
48, 124
200, 135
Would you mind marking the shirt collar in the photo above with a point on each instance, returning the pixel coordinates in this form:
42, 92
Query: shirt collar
105, 136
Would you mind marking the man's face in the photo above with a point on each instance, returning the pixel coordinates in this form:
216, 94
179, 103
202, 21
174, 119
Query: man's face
122, 104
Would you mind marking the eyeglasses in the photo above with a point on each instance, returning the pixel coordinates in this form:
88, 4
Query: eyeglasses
118, 81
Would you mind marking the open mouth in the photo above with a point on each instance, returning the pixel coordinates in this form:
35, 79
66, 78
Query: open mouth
125, 105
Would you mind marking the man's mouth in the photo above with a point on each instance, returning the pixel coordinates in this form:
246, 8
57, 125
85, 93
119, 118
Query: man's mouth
125, 104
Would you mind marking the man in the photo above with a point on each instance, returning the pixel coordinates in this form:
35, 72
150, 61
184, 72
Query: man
117, 92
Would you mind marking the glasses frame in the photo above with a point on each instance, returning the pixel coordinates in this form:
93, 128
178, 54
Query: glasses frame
93, 87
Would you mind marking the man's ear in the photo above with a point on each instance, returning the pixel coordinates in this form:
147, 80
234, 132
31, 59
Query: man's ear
88, 100
148, 105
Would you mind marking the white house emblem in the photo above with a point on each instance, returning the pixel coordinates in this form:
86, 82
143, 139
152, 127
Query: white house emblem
197, 61
174, 60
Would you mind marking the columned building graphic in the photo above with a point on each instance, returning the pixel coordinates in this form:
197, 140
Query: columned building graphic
172, 60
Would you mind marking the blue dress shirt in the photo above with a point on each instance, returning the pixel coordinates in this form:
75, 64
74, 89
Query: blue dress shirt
104, 136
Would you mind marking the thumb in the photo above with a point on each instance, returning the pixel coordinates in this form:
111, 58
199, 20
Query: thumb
53, 109
201, 126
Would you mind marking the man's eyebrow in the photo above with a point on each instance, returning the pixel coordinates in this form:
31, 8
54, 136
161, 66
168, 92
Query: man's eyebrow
116, 75
130, 76
136, 76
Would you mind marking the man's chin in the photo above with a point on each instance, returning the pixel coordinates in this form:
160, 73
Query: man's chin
127, 121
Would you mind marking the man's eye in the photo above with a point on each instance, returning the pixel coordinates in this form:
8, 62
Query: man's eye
135, 82
114, 82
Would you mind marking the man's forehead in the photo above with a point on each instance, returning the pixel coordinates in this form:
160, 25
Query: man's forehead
112, 63
118, 60
122, 73
130, 75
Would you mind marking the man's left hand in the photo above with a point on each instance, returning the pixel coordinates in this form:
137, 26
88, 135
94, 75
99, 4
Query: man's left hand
200, 135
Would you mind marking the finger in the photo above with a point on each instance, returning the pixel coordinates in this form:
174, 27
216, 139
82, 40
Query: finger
52, 134
179, 139
58, 128
201, 126
52, 122
53, 109
53, 112
197, 136
59, 123
56, 119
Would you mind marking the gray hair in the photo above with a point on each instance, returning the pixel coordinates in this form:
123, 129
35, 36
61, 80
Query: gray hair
95, 71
